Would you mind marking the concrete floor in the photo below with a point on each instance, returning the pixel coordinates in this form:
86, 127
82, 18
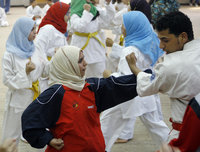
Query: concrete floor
142, 141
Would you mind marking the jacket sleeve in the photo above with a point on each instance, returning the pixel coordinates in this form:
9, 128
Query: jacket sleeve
14, 78
112, 91
29, 12
41, 115
106, 16
159, 81
80, 23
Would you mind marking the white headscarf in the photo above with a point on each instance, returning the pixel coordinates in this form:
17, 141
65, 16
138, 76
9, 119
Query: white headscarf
65, 70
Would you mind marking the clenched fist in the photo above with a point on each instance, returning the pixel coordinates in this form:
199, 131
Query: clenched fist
87, 7
30, 66
58, 144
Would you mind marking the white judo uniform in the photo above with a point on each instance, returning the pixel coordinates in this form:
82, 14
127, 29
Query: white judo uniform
119, 121
45, 9
36, 11
178, 77
117, 23
18, 96
47, 40
94, 51
120, 6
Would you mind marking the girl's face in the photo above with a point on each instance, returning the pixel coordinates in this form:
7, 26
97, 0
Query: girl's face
32, 35
82, 63
123, 30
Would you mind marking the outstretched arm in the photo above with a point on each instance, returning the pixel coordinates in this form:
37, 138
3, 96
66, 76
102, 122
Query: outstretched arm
112, 91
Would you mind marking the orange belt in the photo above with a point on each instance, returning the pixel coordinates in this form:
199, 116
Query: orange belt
175, 125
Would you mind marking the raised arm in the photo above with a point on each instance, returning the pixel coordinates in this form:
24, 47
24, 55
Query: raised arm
131, 59
106, 15
80, 23
149, 84
112, 91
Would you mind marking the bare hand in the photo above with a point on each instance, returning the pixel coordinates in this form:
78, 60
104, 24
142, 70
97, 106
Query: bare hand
106, 73
109, 42
116, 8
131, 59
58, 144
30, 66
8, 145
87, 7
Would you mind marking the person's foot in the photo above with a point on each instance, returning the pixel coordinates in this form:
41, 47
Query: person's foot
119, 140
196, 5
190, 4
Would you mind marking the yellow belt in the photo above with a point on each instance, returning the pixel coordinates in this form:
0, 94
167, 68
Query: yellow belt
49, 58
89, 35
121, 40
35, 89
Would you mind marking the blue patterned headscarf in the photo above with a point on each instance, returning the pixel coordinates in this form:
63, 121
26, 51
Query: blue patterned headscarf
140, 34
18, 42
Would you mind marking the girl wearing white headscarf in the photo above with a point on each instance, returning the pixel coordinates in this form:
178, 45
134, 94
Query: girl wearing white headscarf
70, 108
21, 66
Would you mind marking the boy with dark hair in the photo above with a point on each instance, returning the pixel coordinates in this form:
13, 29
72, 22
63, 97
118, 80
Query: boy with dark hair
178, 74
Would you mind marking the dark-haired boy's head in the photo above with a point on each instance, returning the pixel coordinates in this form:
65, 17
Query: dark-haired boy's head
174, 30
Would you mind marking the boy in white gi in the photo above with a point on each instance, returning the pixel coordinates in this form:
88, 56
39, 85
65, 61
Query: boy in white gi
34, 12
178, 74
